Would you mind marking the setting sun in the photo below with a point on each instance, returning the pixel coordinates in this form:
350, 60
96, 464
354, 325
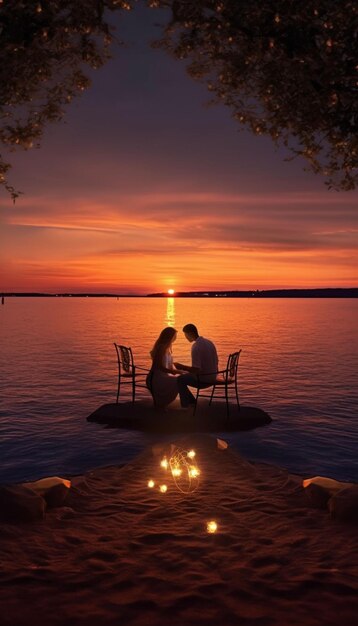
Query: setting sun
171, 292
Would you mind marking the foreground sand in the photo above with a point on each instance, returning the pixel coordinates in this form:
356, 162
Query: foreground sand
120, 553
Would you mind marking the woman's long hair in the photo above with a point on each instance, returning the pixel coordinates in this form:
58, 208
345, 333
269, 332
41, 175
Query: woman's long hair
161, 345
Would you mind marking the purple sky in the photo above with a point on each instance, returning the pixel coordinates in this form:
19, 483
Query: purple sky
144, 188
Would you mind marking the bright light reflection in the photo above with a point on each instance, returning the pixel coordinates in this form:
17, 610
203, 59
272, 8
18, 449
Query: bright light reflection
170, 318
211, 527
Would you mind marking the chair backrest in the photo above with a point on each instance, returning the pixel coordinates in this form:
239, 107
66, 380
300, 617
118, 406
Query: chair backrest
125, 359
232, 365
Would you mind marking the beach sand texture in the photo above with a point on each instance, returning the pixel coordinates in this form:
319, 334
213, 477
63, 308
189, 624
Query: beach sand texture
121, 553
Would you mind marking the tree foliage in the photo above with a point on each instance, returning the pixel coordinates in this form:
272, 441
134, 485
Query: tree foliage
45, 47
286, 68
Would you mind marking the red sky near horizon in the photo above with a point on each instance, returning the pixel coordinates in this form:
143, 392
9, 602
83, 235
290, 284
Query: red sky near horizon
144, 189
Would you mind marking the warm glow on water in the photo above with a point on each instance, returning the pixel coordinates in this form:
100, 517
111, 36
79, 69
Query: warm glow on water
299, 362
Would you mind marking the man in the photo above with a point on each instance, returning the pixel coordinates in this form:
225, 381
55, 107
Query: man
204, 364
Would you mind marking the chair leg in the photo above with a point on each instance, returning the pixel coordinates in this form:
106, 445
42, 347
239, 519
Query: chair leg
227, 401
237, 396
212, 395
133, 390
196, 401
150, 387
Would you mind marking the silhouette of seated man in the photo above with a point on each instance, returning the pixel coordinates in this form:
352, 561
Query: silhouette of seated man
203, 368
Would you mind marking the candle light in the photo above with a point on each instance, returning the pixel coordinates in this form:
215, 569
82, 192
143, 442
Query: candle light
211, 527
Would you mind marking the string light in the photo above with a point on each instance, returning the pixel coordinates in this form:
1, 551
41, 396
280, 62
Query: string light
185, 474
184, 471
193, 472
211, 527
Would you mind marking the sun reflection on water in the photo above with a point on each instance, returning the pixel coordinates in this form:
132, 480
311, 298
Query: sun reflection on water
170, 316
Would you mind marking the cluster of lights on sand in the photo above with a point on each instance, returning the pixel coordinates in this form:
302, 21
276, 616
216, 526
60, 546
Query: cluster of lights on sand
185, 474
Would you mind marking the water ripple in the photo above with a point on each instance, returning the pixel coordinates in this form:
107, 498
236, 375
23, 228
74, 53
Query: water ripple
57, 364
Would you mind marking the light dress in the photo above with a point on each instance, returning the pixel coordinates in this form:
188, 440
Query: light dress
163, 386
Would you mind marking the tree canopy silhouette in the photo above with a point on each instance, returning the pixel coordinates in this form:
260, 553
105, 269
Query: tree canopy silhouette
286, 69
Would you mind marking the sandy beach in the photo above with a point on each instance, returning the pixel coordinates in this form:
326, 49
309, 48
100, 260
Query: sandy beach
119, 552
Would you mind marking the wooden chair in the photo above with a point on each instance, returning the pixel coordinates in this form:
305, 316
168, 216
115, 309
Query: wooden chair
128, 373
225, 382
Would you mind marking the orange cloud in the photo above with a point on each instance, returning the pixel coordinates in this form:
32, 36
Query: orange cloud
141, 243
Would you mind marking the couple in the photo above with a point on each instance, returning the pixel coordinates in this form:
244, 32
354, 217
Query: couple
166, 378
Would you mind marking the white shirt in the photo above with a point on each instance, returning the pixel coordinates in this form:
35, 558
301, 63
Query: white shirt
205, 357
168, 360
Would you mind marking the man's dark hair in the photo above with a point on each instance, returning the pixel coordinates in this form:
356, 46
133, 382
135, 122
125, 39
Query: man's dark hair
191, 329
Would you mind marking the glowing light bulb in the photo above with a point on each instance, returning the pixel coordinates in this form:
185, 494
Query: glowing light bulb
194, 472
211, 527
176, 471
163, 488
151, 484
164, 463
191, 454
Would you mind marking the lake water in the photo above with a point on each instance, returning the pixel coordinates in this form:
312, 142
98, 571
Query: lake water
299, 363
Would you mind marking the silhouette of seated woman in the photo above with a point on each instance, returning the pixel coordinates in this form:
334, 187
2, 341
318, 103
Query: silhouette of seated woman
161, 380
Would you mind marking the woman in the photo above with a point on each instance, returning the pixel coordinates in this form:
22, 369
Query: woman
161, 380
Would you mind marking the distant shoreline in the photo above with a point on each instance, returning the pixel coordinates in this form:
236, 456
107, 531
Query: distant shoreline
332, 292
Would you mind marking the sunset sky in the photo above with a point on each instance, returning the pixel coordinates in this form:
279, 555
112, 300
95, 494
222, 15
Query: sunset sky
145, 188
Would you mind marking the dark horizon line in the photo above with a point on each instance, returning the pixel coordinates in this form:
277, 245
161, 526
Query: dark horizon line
318, 292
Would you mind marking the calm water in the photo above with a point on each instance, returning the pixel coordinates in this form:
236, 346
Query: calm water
58, 364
